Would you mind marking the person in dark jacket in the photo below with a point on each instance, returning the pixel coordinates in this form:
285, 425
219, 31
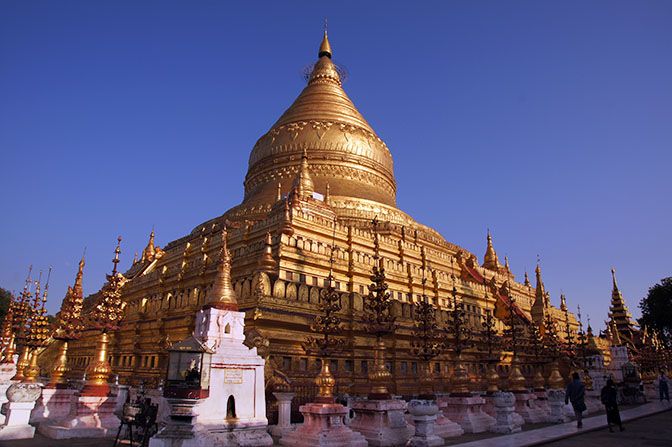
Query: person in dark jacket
609, 395
574, 394
663, 386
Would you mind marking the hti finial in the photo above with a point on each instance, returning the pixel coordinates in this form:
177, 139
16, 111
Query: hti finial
116, 256
325, 48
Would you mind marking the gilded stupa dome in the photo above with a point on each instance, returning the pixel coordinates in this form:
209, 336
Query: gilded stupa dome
342, 148
323, 143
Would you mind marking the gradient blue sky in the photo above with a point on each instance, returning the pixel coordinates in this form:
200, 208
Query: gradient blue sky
549, 122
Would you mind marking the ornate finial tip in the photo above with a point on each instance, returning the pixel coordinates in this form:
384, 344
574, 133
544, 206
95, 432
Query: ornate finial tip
325, 48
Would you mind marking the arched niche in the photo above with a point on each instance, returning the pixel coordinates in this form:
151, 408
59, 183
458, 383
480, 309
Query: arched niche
314, 294
245, 292
279, 289
303, 293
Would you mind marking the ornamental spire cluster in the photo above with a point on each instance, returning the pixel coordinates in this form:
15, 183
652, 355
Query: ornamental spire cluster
69, 324
222, 295
108, 312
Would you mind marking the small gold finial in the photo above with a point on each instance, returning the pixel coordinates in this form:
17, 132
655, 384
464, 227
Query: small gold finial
325, 48
222, 295
116, 256
303, 181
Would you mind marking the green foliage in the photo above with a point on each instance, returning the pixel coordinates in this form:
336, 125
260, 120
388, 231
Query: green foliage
657, 310
5, 299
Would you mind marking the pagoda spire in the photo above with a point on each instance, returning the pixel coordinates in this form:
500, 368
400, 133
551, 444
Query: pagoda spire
527, 280
303, 183
618, 312
222, 295
563, 303
77, 287
150, 251
266, 263
491, 261
540, 305
325, 48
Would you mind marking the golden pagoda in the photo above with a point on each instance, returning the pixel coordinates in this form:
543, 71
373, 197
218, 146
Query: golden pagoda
619, 315
316, 179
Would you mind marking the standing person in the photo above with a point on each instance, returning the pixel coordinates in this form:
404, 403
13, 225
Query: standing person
609, 395
574, 394
663, 386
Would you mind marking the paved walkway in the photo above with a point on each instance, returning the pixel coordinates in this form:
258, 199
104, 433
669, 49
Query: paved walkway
646, 425
571, 435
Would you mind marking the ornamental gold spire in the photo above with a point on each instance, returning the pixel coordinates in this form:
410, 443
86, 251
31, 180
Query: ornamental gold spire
325, 48
222, 295
563, 302
267, 264
618, 312
303, 183
491, 261
540, 305
69, 324
149, 252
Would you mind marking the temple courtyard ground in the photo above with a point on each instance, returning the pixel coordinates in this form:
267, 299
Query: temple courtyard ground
645, 425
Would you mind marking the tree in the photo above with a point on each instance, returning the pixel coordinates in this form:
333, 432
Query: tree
5, 299
657, 310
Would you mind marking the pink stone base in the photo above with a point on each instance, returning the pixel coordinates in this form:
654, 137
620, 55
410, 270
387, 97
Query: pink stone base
542, 400
53, 404
466, 411
89, 417
382, 422
527, 408
323, 427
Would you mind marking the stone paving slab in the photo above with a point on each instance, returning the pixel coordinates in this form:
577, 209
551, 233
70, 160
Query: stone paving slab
649, 431
560, 431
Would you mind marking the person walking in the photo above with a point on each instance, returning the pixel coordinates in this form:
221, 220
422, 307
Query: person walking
663, 386
609, 396
574, 394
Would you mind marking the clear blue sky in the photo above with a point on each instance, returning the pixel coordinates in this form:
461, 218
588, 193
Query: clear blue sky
549, 122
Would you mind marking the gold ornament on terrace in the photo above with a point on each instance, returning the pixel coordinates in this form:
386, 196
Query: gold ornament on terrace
39, 331
69, 326
490, 343
6, 334
551, 345
108, 313
533, 344
426, 343
99, 369
22, 312
378, 320
516, 379
222, 295
329, 325
461, 339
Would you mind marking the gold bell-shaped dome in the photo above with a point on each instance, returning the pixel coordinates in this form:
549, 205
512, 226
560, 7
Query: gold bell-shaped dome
343, 149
